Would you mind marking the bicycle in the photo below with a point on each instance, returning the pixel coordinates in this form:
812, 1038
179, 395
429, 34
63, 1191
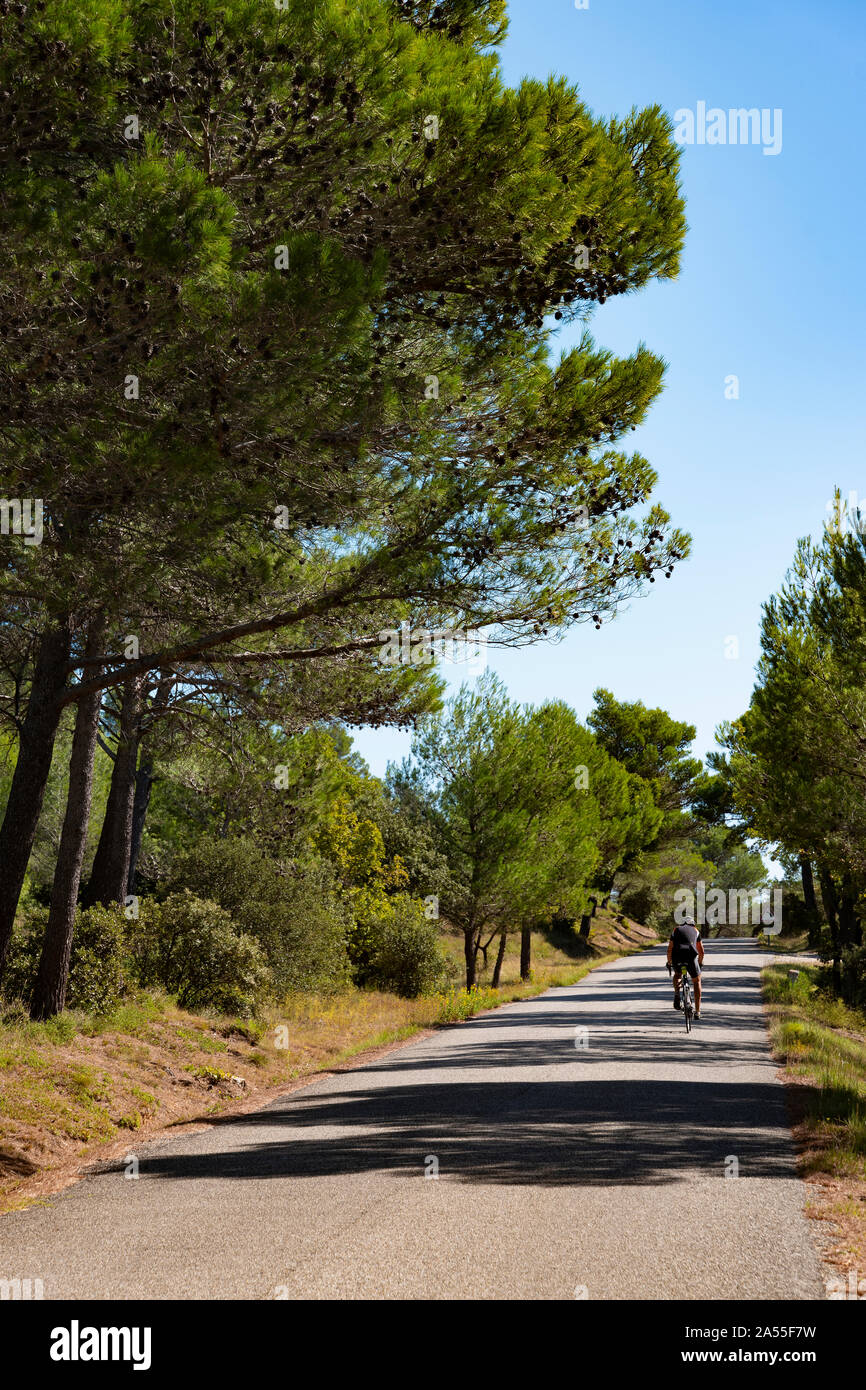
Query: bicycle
687, 998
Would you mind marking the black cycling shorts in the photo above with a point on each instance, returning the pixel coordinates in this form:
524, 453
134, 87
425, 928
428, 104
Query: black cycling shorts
690, 962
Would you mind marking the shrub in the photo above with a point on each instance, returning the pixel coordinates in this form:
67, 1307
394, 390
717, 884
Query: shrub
294, 911
797, 918
457, 1003
22, 961
225, 871
402, 949
853, 967
303, 935
642, 903
98, 975
190, 946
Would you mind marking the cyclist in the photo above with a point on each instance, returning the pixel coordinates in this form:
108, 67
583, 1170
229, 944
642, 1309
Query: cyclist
686, 948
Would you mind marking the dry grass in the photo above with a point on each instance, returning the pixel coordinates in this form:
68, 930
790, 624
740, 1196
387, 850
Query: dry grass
788, 945
822, 1046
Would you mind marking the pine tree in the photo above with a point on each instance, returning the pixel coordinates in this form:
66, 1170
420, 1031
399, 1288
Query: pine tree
299, 263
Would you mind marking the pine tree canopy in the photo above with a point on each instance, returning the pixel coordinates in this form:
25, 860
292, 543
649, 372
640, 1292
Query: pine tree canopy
276, 320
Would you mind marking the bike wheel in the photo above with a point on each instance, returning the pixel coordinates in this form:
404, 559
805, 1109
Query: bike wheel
688, 1006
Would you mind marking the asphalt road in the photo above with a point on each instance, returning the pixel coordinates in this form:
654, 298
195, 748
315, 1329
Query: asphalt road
564, 1170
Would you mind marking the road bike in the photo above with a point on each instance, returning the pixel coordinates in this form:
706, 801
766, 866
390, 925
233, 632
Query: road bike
687, 997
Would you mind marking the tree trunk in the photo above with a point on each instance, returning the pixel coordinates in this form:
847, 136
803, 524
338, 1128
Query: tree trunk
586, 920
35, 747
850, 933
828, 897
483, 946
49, 992
500, 956
469, 953
145, 776
808, 882
144, 779
525, 953
110, 872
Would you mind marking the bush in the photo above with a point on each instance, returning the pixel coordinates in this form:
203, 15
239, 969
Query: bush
642, 903
190, 947
302, 926
225, 871
98, 976
292, 910
797, 918
853, 969
22, 961
402, 949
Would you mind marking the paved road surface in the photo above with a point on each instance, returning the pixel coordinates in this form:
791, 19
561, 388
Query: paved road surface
560, 1168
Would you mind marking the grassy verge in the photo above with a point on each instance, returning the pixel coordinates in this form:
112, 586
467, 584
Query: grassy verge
821, 1044
73, 1089
788, 945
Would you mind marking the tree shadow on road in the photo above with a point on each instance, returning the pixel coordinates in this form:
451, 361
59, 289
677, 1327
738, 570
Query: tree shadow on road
549, 1133
573, 1119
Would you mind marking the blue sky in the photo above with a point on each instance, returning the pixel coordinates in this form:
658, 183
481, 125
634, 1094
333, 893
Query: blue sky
771, 290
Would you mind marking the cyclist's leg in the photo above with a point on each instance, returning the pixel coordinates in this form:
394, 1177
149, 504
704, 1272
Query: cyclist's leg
696, 982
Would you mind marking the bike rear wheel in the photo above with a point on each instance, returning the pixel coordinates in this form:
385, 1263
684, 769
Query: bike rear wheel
688, 1003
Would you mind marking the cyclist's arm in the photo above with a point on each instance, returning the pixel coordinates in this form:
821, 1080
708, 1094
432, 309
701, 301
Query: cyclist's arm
700, 950
670, 947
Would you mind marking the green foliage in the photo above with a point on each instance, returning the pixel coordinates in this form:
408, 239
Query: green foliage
456, 1004
98, 977
191, 948
408, 836
213, 1075
629, 817
795, 758
696, 836
821, 1040
642, 902
293, 911
527, 808
403, 256
403, 951
649, 887
555, 822
733, 863
304, 934
798, 919
650, 744
462, 778
854, 976
504, 501
24, 952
